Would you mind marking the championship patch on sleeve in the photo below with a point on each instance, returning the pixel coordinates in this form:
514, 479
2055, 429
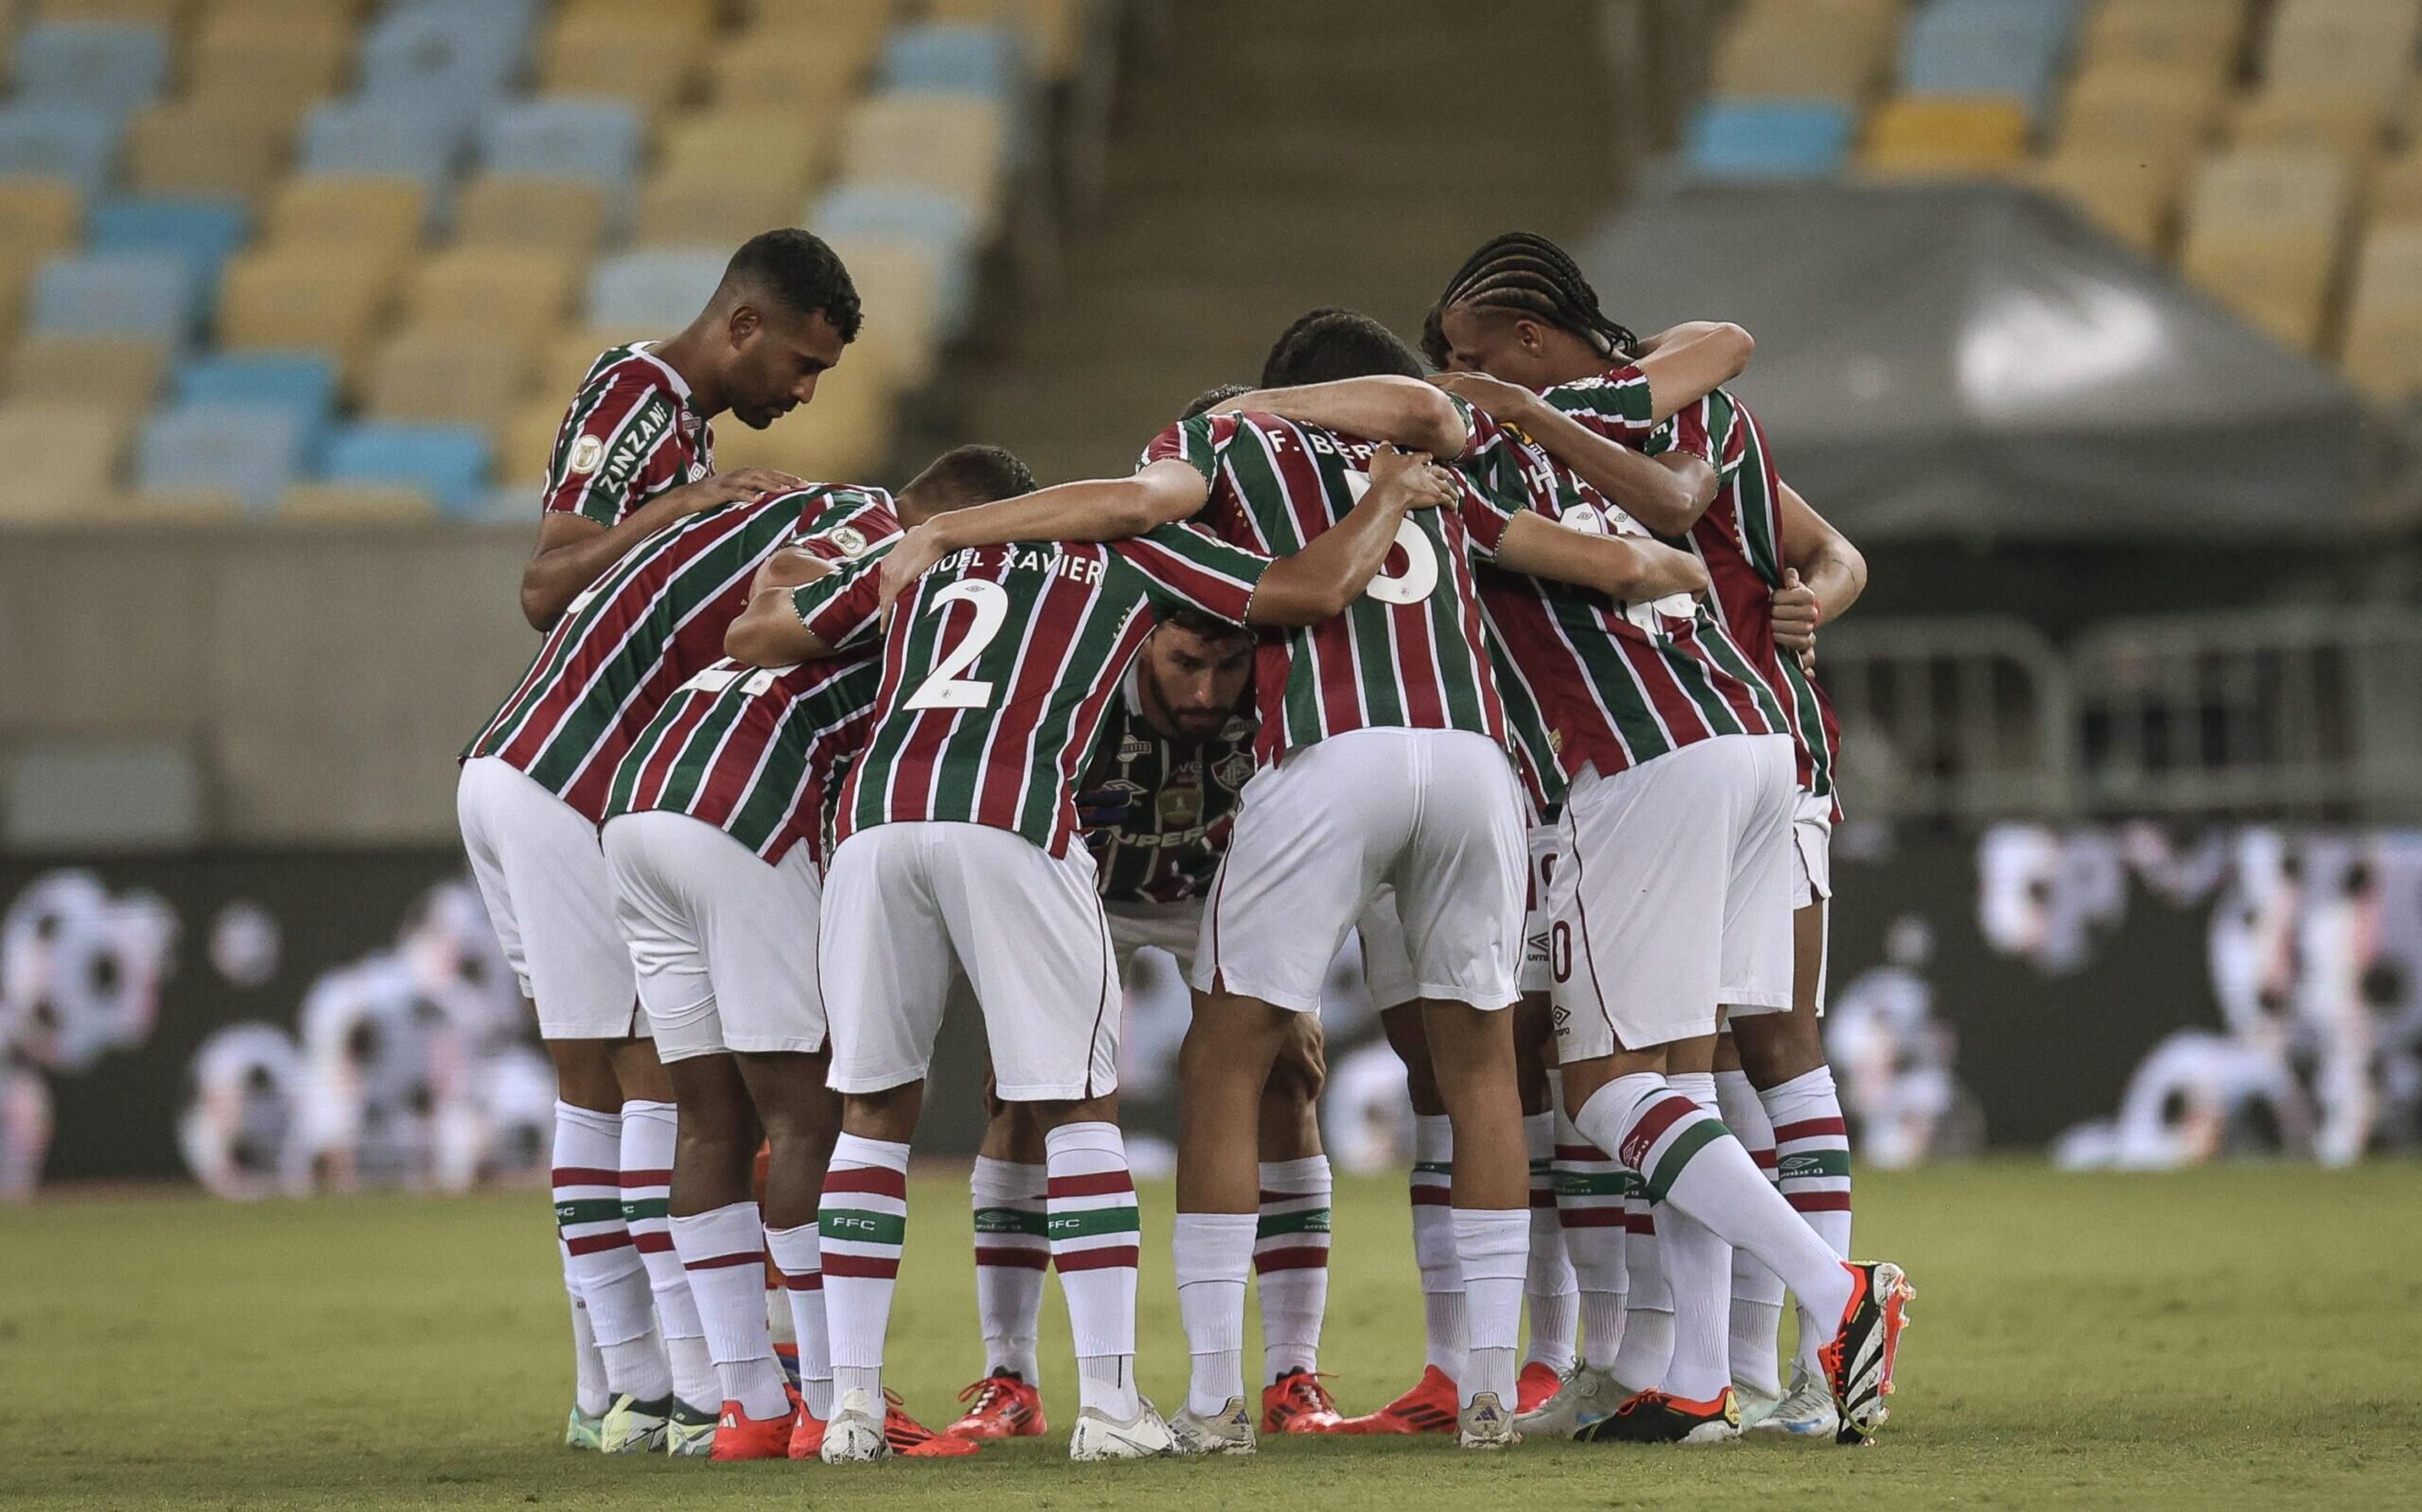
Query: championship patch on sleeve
586, 452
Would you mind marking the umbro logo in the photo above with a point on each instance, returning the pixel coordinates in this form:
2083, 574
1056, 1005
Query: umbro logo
1800, 1165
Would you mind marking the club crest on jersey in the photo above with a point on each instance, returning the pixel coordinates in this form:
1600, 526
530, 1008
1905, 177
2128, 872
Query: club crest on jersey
1234, 770
586, 453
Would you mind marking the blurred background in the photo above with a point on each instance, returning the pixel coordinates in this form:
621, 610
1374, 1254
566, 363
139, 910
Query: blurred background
2096, 323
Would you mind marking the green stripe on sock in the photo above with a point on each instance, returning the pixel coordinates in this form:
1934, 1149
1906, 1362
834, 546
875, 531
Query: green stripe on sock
1594, 1183
854, 1225
1009, 1221
647, 1208
1314, 1221
1677, 1155
588, 1210
1803, 1165
1092, 1222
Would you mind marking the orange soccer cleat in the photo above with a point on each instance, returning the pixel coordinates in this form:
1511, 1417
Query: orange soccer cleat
738, 1436
912, 1440
1005, 1407
1296, 1402
1534, 1386
1430, 1407
808, 1435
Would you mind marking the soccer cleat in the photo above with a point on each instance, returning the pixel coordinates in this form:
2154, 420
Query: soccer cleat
1858, 1362
1532, 1389
1005, 1407
1486, 1424
854, 1435
584, 1430
738, 1436
806, 1434
1296, 1402
689, 1433
635, 1427
1100, 1436
1755, 1406
1227, 1431
912, 1440
1806, 1412
1428, 1408
1657, 1417
1589, 1392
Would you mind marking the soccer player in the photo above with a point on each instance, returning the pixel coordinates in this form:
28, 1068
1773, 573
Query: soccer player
531, 794
1521, 312
956, 848
713, 835
1673, 901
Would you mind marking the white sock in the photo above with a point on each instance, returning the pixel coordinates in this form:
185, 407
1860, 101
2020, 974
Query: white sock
1698, 1276
723, 1249
1757, 1293
1647, 1346
1492, 1248
1442, 1302
863, 1221
649, 1132
1813, 1147
1213, 1251
798, 1254
589, 1389
587, 1177
1591, 1186
1095, 1230
1291, 1263
1012, 1258
1549, 1284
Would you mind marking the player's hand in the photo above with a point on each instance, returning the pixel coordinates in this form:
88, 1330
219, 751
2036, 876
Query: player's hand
1423, 483
1493, 396
917, 549
739, 486
1797, 613
1808, 661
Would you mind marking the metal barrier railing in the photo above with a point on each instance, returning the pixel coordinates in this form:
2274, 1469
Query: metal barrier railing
1953, 717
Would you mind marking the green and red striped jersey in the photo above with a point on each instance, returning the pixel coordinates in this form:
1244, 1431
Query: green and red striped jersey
656, 620
998, 664
1409, 652
1182, 795
630, 434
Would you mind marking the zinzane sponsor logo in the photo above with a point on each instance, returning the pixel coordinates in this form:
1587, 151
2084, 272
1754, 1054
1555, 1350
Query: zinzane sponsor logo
638, 439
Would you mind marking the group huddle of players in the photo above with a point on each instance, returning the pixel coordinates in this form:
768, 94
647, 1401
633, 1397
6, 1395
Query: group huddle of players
1505, 669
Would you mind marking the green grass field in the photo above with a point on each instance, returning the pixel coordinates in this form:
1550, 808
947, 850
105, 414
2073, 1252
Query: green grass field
2247, 1337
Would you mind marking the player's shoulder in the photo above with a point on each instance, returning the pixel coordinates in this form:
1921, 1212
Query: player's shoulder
630, 369
843, 520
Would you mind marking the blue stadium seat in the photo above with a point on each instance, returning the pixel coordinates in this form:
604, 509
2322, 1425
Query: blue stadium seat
382, 137
1987, 47
153, 294
455, 48
663, 290
94, 65
922, 215
449, 463
60, 141
205, 232
251, 450
564, 137
1767, 139
300, 383
952, 60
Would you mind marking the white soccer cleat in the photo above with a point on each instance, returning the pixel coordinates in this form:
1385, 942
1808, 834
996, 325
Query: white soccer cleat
854, 1434
689, 1434
635, 1427
1100, 1436
1755, 1406
1589, 1392
1485, 1425
584, 1430
1806, 1412
1227, 1431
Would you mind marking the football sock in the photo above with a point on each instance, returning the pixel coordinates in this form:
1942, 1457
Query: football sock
1291, 1263
1213, 1252
1547, 1283
649, 1129
1813, 1167
1013, 1252
1094, 1229
1492, 1249
798, 1253
589, 1389
1442, 1300
1757, 1293
1648, 1338
613, 1280
723, 1251
1699, 1276
1590, 1189
861, 1222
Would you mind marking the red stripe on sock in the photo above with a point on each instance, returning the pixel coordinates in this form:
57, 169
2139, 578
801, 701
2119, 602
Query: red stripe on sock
1296, 1259
1109, 1258
597, 1243
1268, 1198
1543, 1197
1014, 1260
811, 1280
1810, 1129
1638, 1224
1765, 1158
1433, 1197
1661, 1116
585, 1175
1593, 1216
1090, 1184
861, 1266
1819, 1202
881, 1181
647, 1179
651, 1241
724, 1262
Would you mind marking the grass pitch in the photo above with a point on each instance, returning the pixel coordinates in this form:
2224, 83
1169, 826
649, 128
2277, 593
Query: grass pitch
2243, 1337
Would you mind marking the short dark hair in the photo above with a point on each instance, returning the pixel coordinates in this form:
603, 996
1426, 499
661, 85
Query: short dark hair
798, 270
974, 473
1218, 394
1329, 344
1199, 622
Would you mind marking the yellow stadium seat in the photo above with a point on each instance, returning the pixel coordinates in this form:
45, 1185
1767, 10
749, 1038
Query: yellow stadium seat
2193, 39
345, 504
691, 16
843, 436
637, 56
2345, 125
2156, 120
719, 207
321, 297
40, 218
2354, 46
133, 12
790, 148
814, 71
953, 144
2264, 234
183, 148
448, 375
371, 213
567, 357
565, 216
526, 443
1945, 135
526, 291
123, 372
896, 282
2128, 196
1808, 49
288, 57
63, 459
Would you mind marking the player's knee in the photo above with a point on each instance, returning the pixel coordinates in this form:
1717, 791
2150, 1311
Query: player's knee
1775, 1048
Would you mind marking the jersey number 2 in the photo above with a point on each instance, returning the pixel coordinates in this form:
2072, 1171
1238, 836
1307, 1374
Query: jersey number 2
943, 688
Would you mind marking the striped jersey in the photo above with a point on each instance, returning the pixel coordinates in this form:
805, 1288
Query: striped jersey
1616, 684
630, 434
654, 620
1409, 651
1183, 797
998, 667
761, 752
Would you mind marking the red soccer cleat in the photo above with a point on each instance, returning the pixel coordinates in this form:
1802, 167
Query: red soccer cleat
912, 1440
1430, 1407
1005, 1407
738, 1436
808, 1435
1296, 1402
1537, 1382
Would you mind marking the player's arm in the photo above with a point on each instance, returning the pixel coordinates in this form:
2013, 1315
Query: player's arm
1631, 567
1822, 577
574, 551
801, 608
1691, 361
1100, 510
1403, 411
1331, 573
1667, 492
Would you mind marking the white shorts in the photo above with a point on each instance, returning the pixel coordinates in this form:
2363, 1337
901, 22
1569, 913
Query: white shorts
1434, 813
1171, 926
906, 906
1812, 835
1673, 898
1388, 971
723, 945
544, 878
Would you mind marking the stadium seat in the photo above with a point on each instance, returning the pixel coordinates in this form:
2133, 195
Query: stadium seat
2397, 191
2384, 313
325, 299
526, 292
164, 14
447, 462
192, 147
660, 290
2344, 124
347, 504
844, 435
562, 215
1987, 47
250, 450
526, 443
59, 141
452, 56
792, 149
2125, 194
123, 372
874, 218
382, 215
570, 353
205, 232
1767, 139
301, 382
107, 66
719, 207
2263, 234
449, 375
274, 64
38, 219
637, 56
900, 288
2350, 46
678, 15
564, 138
2157, 119
1801, 58
1945, 135
382, 137
2196, 39
62, 458
816, 70
1052, 31
952, 59
953, 144
150, 294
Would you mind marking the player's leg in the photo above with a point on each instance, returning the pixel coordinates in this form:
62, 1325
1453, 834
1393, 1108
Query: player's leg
1592, 1189
1291, 1237
1757, 1293
1013, 1246
802, 1120
1551, 1292
1698, 1261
